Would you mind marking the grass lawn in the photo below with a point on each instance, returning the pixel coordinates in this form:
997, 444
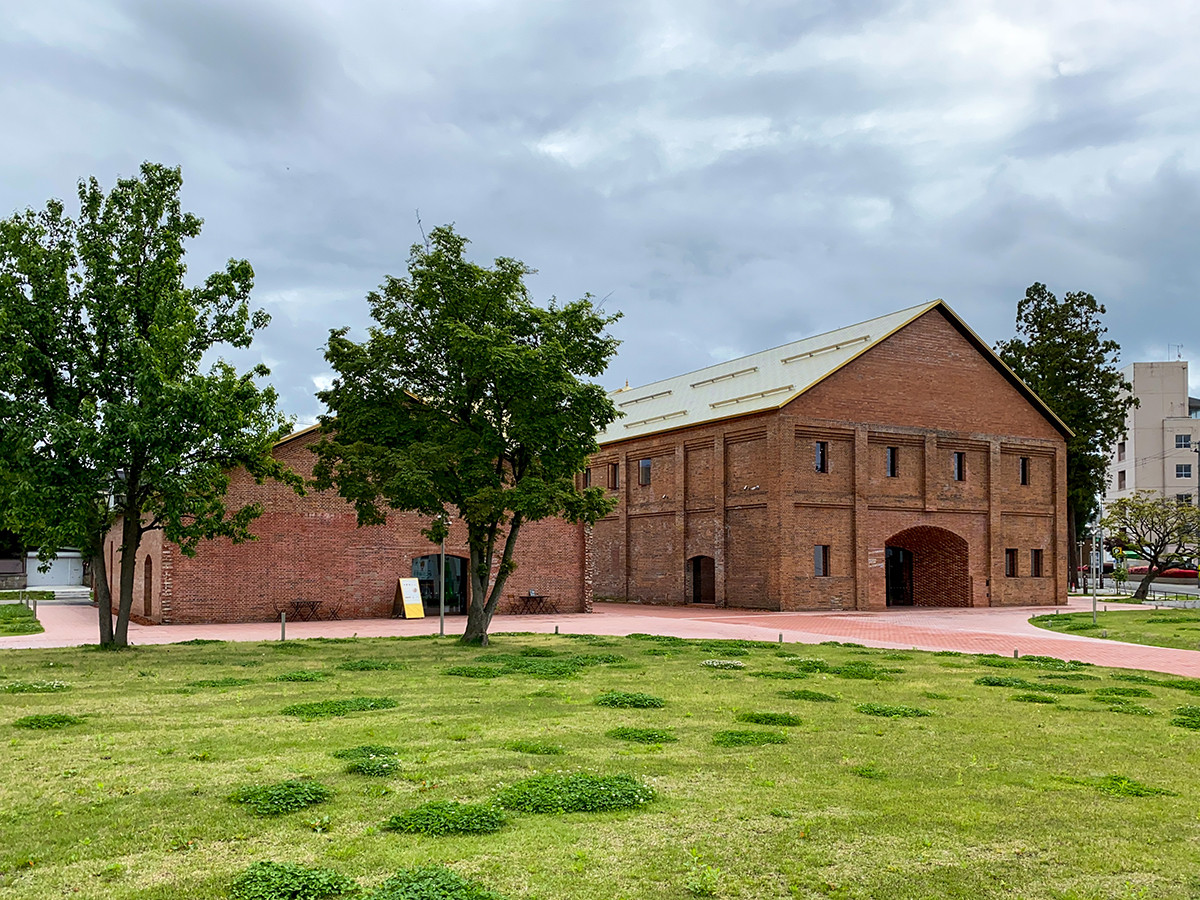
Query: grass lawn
15, 617
1167, 627
776, 771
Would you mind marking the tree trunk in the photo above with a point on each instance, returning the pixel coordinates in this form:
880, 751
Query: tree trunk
131, 537
1143, 589
478, 619
483, 603
103, 596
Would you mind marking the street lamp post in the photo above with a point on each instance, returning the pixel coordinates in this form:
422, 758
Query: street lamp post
442, 581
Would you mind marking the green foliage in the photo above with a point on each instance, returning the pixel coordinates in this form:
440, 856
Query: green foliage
535, 748
447, 817
642, 735
288, 881
1070, 676
703, 879
35, 687
1185, 717
1122, 786
16, 618
468, 671
869, 770
431, 883
860, 669
47, 720
1161, 531
748, 738
365, 751
723, 664
1122, 692
369, 665
538, 652
325, 708
468, 396
226, 682
284, 797
302, 675
375, 766
107, 411
629, 700
892, 711
561, 793
812, 696
769, 718
1012, 681
781, 674
1061, 352
1034, 698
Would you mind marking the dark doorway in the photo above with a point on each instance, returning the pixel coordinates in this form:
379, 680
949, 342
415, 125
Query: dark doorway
425, 570
147, 586
702, 581
898, 571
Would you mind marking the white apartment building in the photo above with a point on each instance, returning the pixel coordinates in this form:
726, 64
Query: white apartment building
1160, 450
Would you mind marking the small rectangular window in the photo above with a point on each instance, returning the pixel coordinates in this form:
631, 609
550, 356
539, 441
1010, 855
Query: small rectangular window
1035, 563
893, 462
1120, 481
614, 473
960, 466
1010, 563
1024, 467
1183, 442
1183, 470
1185, 499
1120, 451
821, 456
643, 472
821, 560
587, 477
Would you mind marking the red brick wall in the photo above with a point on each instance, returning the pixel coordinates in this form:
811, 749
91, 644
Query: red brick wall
311, 548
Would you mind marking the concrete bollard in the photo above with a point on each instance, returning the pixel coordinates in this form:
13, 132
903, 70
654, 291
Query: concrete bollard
283, 626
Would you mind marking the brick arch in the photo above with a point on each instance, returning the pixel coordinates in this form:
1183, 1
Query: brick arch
940, 565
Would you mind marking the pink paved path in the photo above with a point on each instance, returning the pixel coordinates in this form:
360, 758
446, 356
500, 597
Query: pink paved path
971, 630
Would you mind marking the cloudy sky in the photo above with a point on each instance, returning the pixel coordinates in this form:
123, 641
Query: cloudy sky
730, 176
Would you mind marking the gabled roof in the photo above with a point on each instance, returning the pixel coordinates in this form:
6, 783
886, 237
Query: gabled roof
773, 378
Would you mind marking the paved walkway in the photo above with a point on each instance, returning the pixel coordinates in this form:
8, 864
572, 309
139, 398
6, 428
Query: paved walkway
970, 630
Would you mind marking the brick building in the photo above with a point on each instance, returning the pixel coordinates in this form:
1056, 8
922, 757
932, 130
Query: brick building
310, 549
895, 462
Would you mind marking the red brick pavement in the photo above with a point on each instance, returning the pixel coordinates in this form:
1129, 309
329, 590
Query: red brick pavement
969, 630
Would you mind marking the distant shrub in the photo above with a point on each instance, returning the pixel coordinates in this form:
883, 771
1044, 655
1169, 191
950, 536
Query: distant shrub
35, 687
47, 720
447, 817
1033, 698
287, 881
1185, 717
328, 708
890, 711
369, 665
537, 748
365, 751
302, 675
220, 682
1121, 786
723, 664
629, 700
1122, 692
642, 735
812, 696
769, 718
748, 738
560, 793
431, 883
284, 797
468, 671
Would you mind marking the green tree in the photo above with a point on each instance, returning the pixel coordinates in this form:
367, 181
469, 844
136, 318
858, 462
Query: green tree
467, 395
1060, 351
106, 415
1161, 531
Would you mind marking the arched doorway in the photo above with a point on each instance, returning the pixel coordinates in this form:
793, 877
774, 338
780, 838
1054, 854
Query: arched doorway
425, 570
147, 586
927, 566
701, 580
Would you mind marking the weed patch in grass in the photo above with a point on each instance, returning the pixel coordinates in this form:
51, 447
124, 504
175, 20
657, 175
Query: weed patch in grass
784, 720
447, 817
220, 682
1122, 692
468, 671
283, 797
302, 675
375, 766
1187, 717
781, 674
629, 700
993, 661
1012, 681
559, 793
47, 720
535, 748
288, 881
723, 664
811, 696
642, 735
1129, 708
892, 711
35, 687
369, 665
658, 639
541, 652
1122, 786
198, 642
869, 770
431, 883
1033, 698
322, 709
365, 751
1069, 676
735, 738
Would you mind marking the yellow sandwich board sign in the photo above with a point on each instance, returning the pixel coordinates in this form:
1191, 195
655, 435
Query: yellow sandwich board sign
408, 598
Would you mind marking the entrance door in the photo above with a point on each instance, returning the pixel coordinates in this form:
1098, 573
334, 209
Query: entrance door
425, 570
898, 567
702, 578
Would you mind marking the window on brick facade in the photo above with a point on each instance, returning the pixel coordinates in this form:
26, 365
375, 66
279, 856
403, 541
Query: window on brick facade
960, 466
1010, 562
614, 475
893, 462
1185, 499
1183, 442
1024, 469
1035, 563
1183, 470
643, 472
1120, 481
587, 477
821, 456
1120, 451
821, 560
